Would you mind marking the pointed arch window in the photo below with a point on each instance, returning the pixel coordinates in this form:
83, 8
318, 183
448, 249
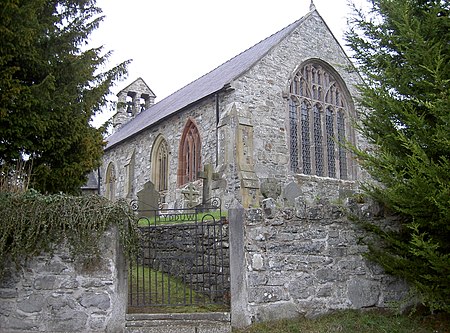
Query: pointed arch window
110, 182
189, 158
318, 122
305, 138
318, 141
129, 174
160, 165
293, 124
341, 139
329, 123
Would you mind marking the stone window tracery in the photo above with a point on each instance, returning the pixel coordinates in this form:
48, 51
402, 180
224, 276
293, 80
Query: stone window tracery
319, 122
189, 158
293, 123
341, 139
160, 166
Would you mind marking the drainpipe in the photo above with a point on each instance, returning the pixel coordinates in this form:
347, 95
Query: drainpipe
217, 127
98, 180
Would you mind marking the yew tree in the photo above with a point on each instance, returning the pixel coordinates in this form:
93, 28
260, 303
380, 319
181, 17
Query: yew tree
51, 85
402, 49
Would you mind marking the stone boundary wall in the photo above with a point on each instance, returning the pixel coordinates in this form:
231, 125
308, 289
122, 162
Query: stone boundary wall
305, 260
53, 293
198, 253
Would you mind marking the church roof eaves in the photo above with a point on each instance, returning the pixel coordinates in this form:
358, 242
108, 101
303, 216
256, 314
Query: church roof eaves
208, 84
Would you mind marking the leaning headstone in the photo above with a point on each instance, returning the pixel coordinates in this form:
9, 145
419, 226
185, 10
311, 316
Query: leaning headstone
148, 200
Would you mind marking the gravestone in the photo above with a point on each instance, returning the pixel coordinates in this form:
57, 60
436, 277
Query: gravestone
208, 175
191, 195
148, 200
291, 192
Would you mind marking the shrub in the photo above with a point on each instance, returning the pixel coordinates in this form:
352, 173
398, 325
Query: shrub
33, 223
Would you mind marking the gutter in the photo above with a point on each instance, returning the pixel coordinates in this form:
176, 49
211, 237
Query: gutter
225, 88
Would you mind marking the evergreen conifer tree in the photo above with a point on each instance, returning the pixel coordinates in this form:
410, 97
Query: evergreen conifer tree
51, 85
402, 49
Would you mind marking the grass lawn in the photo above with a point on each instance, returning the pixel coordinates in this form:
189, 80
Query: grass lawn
352, 321
164, 293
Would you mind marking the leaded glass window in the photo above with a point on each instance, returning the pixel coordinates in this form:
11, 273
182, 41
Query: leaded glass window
318, 111
306, 144
341, 139
293, 124
318, 151
329, 125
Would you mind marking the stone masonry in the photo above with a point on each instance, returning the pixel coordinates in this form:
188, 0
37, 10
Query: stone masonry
307, 259
54, 294
243, 128
142, 145
301, 257
197, 253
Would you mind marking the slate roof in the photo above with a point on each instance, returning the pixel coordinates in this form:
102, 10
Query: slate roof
204, 86
92, 182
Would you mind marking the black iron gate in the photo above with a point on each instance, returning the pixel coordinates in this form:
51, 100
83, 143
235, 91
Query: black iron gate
183, 259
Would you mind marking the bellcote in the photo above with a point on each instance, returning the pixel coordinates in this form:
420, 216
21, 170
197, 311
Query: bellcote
132, 100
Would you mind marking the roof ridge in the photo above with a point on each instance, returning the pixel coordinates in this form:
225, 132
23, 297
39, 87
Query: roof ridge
232, 58
203, 86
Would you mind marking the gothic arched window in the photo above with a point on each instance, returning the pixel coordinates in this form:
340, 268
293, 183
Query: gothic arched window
318, 140
129, 174
318, 123
110, 182
160, 165
305, 138
189, 157
330, 130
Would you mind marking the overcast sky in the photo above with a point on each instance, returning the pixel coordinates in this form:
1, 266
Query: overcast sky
173, 42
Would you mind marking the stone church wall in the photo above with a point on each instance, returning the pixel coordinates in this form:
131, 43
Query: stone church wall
264, 91
54, 294
261, 102
251, 146
204, 116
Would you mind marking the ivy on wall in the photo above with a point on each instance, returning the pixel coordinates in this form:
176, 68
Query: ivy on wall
32, 223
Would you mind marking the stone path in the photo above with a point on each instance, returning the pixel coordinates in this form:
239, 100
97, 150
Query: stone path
215, 322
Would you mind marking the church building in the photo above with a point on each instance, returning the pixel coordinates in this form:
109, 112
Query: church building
267, 123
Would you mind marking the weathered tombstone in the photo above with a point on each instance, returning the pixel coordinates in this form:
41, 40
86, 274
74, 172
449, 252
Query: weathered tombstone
191, 195
148, 200
208, 175
291, 192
